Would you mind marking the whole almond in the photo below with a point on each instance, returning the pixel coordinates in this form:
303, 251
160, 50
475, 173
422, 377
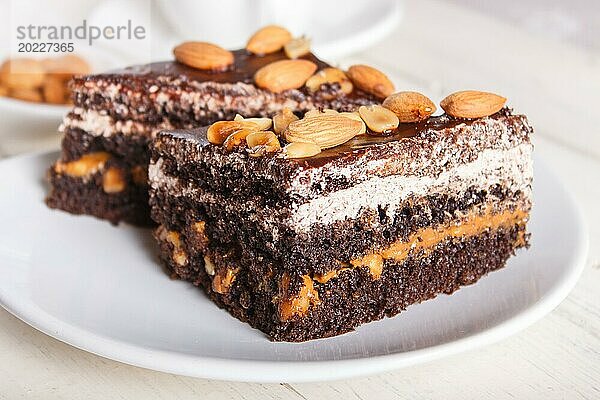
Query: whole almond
218, 132
410, 106
301, 150
472, 104
284, 75
329, 75
297, 47
202, 55
371, 80
379, 119
326, 130
22, 73
268, 40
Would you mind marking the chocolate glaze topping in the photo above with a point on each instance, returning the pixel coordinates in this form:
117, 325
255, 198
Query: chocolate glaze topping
356, 146
243, 69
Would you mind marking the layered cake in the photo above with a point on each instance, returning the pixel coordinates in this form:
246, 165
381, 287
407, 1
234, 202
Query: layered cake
103, 166
306, 226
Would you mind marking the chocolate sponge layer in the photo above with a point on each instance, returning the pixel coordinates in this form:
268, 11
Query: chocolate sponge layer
86, 195
352, 298
132, 149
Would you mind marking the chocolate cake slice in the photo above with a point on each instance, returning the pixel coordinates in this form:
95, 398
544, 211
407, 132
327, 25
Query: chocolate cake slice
104, 160
338, 219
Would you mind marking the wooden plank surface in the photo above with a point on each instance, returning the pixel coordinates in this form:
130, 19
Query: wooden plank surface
438, 48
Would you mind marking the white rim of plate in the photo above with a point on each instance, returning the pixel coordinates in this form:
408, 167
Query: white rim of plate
41, 109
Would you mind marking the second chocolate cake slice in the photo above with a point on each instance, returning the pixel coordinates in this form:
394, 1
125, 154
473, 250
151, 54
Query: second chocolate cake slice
346, 223
103, 164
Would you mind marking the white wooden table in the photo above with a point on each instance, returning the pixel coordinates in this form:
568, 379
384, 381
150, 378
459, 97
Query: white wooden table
438, 48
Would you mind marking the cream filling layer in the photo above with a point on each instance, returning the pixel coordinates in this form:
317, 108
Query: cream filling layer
98, 124
510, 168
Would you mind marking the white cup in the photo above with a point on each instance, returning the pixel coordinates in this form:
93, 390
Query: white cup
226, 22
336, 27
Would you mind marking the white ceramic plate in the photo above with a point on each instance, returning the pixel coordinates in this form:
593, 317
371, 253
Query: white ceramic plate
24, 123
99, 288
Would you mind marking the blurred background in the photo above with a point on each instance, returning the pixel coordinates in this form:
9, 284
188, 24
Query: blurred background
541, 54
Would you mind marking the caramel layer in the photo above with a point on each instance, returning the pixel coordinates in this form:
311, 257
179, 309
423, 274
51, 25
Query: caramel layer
428, 238
85, 166
298, 304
